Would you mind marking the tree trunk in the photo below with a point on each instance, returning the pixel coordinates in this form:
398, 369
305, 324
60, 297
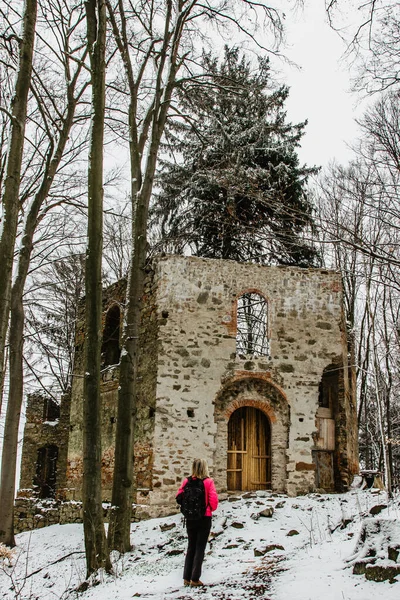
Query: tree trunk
15, 397
10, 443
167, 56
10, 198
119, 531
95, 539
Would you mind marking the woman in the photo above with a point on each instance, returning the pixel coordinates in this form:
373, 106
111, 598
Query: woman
198, 530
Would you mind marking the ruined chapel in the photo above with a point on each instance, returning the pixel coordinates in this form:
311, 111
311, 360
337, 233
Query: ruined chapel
242, 364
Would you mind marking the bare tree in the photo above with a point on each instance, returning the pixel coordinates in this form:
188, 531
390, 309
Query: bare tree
10, 194
117, 241
95, 540
372, 38
53, 124
360, 224
159, 45
54, 298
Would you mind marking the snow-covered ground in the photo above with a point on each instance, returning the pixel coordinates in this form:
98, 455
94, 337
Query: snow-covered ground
316, 533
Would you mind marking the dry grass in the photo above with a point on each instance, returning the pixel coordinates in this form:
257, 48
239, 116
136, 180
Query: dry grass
6, 554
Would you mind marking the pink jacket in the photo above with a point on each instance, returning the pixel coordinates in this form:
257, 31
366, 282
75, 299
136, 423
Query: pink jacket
211, 495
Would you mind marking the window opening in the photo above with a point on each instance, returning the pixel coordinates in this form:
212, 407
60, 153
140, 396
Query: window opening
51, 410
328, 389
110, 349
252, 325
46, 471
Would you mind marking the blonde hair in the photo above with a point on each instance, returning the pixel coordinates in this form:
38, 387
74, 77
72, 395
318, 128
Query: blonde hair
200, 468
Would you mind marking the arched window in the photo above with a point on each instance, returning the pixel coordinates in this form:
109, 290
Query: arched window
46, 471
110, 349
252, 325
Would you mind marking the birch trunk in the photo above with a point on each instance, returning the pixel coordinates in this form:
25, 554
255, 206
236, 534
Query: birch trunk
10, 198
16, 341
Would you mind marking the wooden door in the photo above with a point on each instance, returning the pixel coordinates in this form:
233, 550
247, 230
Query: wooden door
324, 470
249, 450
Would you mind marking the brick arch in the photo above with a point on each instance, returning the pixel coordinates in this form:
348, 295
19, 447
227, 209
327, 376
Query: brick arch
251, 290
265, 408
264, 393
247, 380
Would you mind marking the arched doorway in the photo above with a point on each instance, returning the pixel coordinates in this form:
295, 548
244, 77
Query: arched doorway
110, 348
249, 450
46, 471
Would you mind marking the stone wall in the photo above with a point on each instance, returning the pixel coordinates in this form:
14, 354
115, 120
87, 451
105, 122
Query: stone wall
30, 513
191, 380
197, 366
151, 321
114, 295
38, 433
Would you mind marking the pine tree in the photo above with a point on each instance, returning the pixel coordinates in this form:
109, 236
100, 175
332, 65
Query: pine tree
234, 188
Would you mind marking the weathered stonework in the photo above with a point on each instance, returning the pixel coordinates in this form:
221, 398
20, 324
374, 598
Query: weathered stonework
200, 374
41, 432
191, 380
113, 297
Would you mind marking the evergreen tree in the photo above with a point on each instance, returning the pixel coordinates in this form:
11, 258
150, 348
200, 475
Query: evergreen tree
234, 188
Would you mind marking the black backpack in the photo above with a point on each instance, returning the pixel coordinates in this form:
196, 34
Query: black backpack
193, 504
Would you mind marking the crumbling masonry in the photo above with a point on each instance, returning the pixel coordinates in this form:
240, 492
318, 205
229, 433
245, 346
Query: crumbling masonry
244, 365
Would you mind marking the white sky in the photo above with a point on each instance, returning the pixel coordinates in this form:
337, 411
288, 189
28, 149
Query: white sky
319, 87
320, 91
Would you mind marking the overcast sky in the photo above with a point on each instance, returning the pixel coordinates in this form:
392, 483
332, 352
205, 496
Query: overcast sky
320, 91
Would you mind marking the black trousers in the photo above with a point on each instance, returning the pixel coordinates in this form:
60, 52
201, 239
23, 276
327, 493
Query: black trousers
198, 532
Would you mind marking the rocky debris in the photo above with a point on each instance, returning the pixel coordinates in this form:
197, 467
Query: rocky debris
249, 495
342, 524
377, 550
237, 525
267, 512
218, 528
345, 523
280, 504
378, 508
393, 554
265, 549
162, 545
382, 573
233, 498
359, 567
292, 532
167, 526
175, 552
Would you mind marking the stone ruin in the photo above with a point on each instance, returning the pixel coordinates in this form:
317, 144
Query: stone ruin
242, 364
